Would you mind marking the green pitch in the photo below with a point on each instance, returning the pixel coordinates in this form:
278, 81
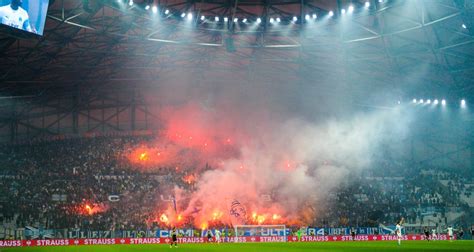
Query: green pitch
418, 246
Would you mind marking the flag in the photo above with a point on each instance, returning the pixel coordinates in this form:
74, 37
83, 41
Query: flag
35, 233
174, 205
195, 211
390, 229
238, 213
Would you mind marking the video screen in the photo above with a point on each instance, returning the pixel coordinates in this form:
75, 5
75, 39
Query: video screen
26, 15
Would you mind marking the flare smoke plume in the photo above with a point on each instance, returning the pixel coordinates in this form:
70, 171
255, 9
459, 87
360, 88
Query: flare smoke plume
278, 166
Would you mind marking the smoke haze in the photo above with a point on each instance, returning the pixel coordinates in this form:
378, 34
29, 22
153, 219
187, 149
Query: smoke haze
276, 163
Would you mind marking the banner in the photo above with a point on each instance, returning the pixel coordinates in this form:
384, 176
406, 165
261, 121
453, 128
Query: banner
338, 238
264, 231
32, 233
156, 240
181, 232
347, 231
40, 233
35, 233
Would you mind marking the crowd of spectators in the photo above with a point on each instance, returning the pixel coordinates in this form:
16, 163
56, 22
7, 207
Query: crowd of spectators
422, 196
68, 184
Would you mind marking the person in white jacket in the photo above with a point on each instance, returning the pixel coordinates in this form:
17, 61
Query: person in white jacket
398, 230
15, 16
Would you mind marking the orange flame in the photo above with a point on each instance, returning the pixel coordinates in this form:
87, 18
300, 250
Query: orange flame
189, 179
143, 156
217, 215
89, 209
164, 218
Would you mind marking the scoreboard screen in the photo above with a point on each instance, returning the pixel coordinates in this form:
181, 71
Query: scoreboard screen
26, 15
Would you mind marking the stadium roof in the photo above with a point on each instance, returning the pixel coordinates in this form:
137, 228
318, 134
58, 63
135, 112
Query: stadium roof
415, 48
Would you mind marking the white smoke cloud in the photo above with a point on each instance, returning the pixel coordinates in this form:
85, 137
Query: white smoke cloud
296, 162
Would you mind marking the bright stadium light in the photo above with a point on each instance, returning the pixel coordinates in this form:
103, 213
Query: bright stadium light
331, 13
278, 20
216, 19
272, 20
463, 103
343, 11
436, 102
226, 19
130, 2
351, 9
147, 7
314, 16
421, 101
306, 17
464, 26
236, 20
428, 101
244, 20
380, 1
443, 102
203, 18
190, 16
414, 100
154, 9
183, 15
259, 20
295, 19
367, 4
167, 12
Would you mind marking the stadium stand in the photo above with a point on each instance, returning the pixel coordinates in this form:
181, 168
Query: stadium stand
68, 184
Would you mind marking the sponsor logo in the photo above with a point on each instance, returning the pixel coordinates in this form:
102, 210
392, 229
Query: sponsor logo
237, 239
191, 240
314, 239
144, 240
52, 242
273, 239
99, 241
10, 243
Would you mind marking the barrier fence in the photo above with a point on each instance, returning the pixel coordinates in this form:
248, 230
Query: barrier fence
245, 239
